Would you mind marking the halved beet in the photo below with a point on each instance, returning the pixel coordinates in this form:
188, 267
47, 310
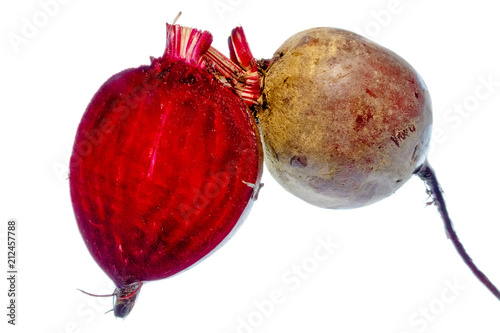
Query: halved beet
166, 163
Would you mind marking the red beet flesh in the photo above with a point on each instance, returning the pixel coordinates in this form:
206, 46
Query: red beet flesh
166, 163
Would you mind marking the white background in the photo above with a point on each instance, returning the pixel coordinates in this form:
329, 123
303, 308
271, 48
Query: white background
393, 263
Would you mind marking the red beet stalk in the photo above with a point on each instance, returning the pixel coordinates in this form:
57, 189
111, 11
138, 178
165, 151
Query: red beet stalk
242, 70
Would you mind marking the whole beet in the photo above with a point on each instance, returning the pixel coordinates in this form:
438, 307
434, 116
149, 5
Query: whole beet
345, 122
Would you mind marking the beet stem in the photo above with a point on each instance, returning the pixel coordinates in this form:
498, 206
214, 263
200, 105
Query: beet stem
241, 70
187, 44
428, 175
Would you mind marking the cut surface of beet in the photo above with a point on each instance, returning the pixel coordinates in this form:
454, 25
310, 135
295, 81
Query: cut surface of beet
161, 165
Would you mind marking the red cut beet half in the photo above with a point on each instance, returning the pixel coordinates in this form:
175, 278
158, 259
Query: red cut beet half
166, 164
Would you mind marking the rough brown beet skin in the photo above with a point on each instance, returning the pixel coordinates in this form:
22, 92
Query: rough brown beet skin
345, 122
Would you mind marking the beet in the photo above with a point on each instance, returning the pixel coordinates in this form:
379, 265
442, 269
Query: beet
166, 164
345, 122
